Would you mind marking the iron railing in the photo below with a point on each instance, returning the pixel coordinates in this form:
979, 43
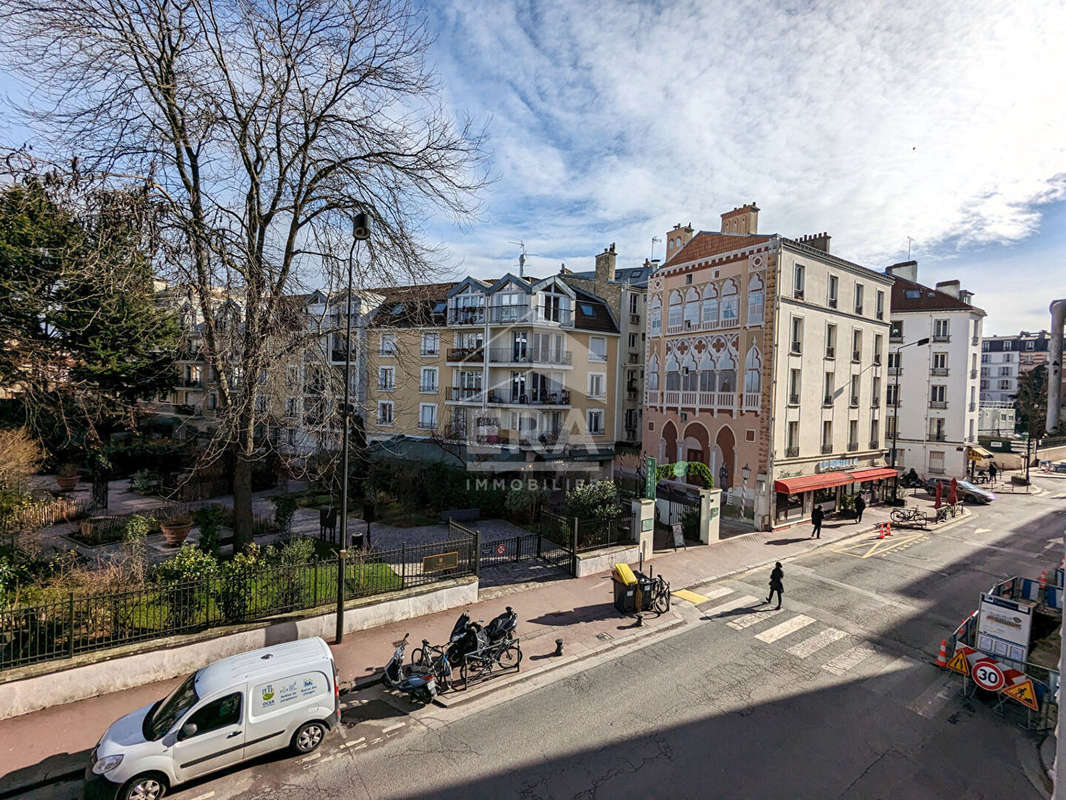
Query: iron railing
73, 624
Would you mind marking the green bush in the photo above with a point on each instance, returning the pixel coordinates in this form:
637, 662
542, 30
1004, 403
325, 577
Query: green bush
598, 501
144, 481
237, 584
208, 519
184, 601
285, 506
523, 504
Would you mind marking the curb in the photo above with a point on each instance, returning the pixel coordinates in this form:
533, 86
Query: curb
40, 783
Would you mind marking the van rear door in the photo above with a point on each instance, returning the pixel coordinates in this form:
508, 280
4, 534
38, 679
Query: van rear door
218, 738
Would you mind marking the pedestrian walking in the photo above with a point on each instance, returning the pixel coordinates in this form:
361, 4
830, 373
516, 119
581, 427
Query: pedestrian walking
860, 506
992, 473
775, 583
817, 515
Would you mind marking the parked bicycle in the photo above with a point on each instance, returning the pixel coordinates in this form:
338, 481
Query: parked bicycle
656, 593
909, 515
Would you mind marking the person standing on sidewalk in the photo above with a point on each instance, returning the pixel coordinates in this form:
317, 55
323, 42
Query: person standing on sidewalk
816, 519
992, 473
860, 506
775, 583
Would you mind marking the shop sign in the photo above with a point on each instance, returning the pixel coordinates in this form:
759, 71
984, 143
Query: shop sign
836, 464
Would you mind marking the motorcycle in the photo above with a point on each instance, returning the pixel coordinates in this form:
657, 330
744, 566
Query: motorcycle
419, 685
470, 637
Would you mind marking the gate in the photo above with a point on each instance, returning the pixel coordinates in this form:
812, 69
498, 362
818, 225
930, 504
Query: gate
514, 549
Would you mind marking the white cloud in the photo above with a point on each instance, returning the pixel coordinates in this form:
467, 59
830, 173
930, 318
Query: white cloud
875, 122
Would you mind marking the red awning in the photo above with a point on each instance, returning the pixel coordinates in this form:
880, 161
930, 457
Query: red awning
809, 483
863, 475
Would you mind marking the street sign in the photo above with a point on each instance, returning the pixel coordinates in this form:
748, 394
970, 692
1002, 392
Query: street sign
679, 537
440, 562
959, 663
988, 676
501, 548
1024, 693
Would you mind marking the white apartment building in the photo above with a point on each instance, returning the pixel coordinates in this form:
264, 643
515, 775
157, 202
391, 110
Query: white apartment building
1004, 359
938, 382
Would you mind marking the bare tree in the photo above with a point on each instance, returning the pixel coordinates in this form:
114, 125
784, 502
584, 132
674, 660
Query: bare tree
262, 128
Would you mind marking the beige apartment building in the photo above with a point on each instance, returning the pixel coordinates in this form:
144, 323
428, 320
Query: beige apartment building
765, 361
515, 374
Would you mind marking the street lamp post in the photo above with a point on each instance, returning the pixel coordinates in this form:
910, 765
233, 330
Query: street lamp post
895, 411
360, 231
745, 473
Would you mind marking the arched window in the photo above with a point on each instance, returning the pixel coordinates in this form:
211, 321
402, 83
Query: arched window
756, 300
708, 373
710, 306
692, 308
652, 372
673, 374
690, 379
727, 372
655, 315
673, 321
730, 303
752, 371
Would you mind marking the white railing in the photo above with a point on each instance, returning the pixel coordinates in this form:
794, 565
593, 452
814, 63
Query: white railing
653, 397
688, 399
672, 398
724, 400
706, 399
751, 401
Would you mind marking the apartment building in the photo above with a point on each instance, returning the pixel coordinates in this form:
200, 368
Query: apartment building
933, 396
1005, 358
626, 293
765, 361
514, 374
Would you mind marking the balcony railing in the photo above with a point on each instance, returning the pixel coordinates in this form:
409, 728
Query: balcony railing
941, 337
792, 452
688, 325
466, 354
895, 370
827, 400
752, 401
975, 340
557, 398
531, 355
827, 448
973, 374
852, 446
830, 352
386, 387
856, 356
466, 394
562, 316
466, 316
427, 388
938, 404
505, 315
939, 371
793, 399
937, 436
874, 444
875, 401
427, 425
597, 356
653, 397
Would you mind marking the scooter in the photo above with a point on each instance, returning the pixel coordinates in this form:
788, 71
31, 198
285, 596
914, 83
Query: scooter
421, 686
469, 636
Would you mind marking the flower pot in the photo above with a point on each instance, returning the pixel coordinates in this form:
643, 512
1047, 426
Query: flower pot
174, 535
67, 482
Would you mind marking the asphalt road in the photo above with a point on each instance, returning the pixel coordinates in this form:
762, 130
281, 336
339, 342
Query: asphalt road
834, 696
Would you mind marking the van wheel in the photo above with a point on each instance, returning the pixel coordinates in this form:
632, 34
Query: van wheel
308, 737
150, 786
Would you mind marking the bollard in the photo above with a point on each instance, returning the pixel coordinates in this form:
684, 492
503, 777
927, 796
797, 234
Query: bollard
558, 647
942, 656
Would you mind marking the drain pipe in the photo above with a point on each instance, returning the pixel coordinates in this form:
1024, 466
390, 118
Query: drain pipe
1054, 376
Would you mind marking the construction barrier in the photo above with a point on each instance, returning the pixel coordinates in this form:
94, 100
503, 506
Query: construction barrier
884, 529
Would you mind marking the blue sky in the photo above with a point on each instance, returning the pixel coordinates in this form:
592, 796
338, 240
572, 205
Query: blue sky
611, 121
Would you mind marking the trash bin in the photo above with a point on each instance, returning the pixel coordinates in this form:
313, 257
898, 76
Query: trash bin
625, 588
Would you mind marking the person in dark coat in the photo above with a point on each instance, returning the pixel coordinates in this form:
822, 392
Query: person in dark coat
817, 515
860, 506
992, 473
775, 583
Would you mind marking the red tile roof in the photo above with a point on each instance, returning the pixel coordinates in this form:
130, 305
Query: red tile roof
706, 244
910, 296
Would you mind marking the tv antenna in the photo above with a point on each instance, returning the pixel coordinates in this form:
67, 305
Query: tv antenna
654, 239
522, 258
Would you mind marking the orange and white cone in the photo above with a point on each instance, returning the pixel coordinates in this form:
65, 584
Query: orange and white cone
942, 656
1043, 578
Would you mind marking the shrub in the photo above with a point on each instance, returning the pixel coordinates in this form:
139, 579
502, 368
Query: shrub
20, 456
236, 586
524, 503
183, 600
285, 506
144, 481
597, 501
289, 581
208, 519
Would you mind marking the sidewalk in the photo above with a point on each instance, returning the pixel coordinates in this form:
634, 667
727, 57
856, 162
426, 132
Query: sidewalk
55, 741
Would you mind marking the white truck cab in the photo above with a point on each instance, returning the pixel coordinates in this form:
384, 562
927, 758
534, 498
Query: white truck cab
227, 712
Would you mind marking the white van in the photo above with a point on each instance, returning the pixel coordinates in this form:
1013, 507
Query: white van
235, 709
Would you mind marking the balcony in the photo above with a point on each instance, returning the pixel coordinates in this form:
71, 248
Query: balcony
940, 404
940, 372
461, 354
530, 355
751, 401
937, 436
853, 446
793, 399
466, 394
557, 398
558, 316
792, 452
466, 316
546, 439
826, 449
941, 337
508, 315
653, 397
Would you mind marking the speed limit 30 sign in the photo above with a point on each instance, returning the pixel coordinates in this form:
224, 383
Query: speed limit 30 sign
988, 676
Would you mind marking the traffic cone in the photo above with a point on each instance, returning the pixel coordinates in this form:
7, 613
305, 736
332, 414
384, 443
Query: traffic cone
1043, 578
942, 656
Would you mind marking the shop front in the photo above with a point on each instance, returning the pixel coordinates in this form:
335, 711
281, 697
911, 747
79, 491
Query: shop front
874, 484
831, 484
795, 497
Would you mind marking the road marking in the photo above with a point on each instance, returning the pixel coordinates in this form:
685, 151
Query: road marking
740, 623
879, 547
983, 530
395, 727
311, 757
714, 592
353, 743
815, 643
327, 758
736, 602
848, 659
204, 796
692, 597
784, 629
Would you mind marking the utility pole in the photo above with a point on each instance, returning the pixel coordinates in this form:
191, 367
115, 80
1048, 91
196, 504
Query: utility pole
360, 231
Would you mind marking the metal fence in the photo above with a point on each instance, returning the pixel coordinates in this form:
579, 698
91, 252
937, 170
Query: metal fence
77, 624
60, 509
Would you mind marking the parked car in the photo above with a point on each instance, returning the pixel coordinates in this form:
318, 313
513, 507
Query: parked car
968, 492
232, 710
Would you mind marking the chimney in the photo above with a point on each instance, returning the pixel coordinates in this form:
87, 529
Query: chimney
743, 220
908, 270
949, 287
677, 238
819, 241
605, 262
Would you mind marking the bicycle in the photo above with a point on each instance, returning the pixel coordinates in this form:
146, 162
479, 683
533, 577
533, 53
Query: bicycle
481, 663
911, 515
432, 658
657, 591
